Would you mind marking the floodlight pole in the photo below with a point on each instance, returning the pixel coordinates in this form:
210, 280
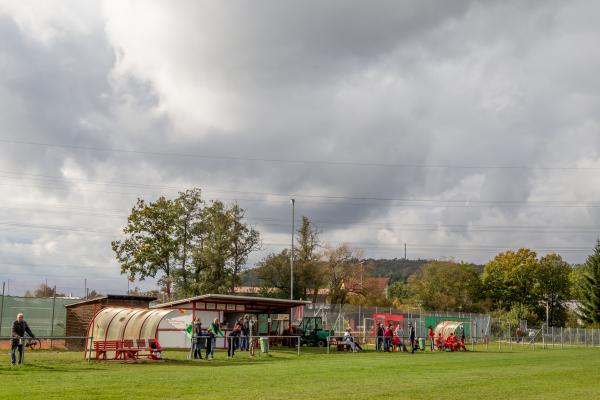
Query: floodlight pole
2, 307
292, 255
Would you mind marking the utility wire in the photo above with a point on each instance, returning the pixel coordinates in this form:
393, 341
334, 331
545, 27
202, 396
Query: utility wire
294, 161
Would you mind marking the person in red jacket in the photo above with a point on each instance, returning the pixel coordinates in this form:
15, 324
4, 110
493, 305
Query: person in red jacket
431, 336
387, 338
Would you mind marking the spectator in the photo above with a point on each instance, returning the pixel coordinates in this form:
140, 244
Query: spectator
349, 340
518, 334
214, 329
197, 332
431, 337
19, 328
244, 334
411, 337
379, 332
387, 338
252, 332
232, 339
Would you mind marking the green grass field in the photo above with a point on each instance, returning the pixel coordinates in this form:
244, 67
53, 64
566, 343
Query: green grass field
572, 373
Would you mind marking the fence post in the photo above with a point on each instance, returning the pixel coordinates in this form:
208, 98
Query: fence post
543, 337
562, 344
298, 345
91, 341
52, 319
585, 337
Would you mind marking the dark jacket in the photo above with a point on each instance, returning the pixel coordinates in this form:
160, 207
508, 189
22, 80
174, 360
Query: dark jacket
18, 331
198, 331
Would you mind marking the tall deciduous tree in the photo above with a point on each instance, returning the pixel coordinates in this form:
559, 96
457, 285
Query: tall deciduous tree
553, 286
343, 268
590, 289
510, 278
150, 247
445, 285
196, 247
243, 241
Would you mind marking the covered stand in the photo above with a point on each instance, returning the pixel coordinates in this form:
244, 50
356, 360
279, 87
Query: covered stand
118, 323
445, 328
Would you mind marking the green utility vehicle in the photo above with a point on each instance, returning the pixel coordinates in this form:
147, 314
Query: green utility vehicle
311, 332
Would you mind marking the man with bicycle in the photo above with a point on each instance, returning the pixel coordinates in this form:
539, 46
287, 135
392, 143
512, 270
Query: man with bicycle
19, 328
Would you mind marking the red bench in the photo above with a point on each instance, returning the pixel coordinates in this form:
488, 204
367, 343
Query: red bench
101, 347
128, 349
133, 349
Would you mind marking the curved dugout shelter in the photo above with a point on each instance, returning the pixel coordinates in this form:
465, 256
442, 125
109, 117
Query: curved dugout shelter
446, 328
119, 323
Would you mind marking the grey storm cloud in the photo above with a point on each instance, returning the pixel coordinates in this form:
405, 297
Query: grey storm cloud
460, 127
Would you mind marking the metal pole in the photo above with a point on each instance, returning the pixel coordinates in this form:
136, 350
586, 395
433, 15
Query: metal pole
52, 320
2, 306
292, 255
562, 344
298, 339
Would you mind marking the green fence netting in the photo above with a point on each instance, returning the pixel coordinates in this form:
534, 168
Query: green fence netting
37, 313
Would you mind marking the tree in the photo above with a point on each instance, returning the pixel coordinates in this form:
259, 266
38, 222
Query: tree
509, 278
445, 286
590, 302
274, 272
44, 290
150, 247
243, 240
191, 247
553, 287
308, 267
397, 292
342, 268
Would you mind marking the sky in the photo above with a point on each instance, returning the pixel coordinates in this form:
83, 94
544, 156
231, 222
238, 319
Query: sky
461, 129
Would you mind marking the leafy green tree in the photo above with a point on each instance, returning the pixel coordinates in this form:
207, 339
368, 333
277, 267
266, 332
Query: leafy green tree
510, 277
309, 276
274, 273
590, 302
308, 266
190, 246
343, 269
243, 240
445, 286
553, 287
150, 247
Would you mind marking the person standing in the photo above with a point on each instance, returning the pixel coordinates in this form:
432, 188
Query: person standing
232, 338
197, 338
387, 338
379, 332
19, 328
244, 334
411, 337
252, 332
214, 329
431, 338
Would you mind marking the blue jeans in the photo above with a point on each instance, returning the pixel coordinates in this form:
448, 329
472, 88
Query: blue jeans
13, 358
244, 343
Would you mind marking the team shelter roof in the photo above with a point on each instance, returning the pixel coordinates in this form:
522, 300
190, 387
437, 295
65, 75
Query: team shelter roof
258, 305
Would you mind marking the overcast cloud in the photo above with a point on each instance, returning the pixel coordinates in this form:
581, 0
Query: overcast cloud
461, 128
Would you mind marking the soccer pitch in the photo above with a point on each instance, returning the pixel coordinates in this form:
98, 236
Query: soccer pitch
522, 373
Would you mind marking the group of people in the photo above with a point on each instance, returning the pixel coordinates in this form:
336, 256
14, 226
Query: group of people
453, 342
393, 339
241, 337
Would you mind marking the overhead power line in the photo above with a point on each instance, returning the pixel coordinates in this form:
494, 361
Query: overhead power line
295, 161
